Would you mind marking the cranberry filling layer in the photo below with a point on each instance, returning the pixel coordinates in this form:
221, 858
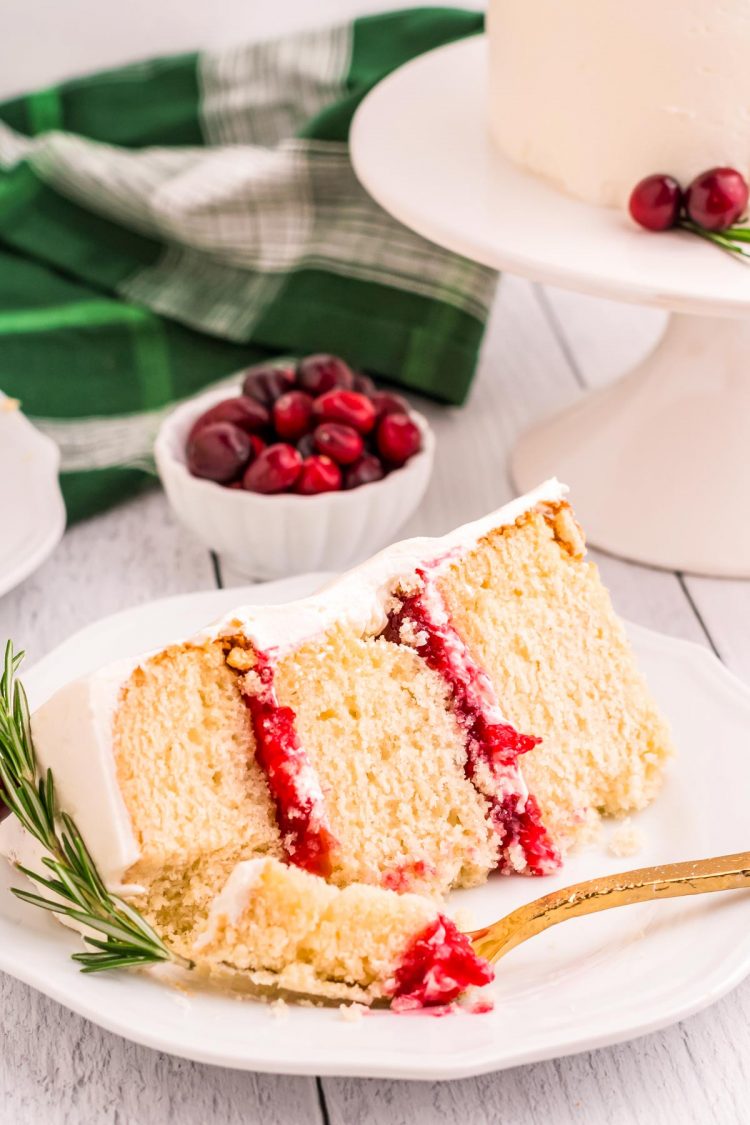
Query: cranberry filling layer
438, 965
493, 746
294, 785
402, 877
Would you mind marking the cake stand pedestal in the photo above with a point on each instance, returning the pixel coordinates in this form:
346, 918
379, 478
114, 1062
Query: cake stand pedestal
659, 462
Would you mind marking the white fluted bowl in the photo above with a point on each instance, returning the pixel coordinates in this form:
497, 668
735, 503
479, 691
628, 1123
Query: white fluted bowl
280, 535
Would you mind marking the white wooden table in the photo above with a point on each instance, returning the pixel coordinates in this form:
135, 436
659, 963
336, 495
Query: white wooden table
543, 347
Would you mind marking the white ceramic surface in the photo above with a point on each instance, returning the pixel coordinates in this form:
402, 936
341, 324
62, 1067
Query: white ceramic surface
659, 462
32, 513
663, 454
276, 536
590, 982
420, 144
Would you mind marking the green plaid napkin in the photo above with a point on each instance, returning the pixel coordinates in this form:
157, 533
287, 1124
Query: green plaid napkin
165, 224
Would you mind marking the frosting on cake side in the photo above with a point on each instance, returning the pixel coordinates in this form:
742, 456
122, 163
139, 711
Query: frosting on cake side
593, 95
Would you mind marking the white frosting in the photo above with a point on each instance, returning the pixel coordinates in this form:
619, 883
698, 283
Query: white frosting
73, 730
72, 735
233, 898
596, 94
358, 598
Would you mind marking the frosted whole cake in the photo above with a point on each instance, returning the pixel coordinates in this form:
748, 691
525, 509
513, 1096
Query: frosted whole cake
594, 95
290, 795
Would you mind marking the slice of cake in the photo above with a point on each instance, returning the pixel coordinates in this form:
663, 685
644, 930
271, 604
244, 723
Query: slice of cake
283, 927
453, 707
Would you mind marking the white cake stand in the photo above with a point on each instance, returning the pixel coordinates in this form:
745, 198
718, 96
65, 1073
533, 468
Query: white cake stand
659, 463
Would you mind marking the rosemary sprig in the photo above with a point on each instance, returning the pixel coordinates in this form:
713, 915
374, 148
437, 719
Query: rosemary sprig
731, 239
71, 875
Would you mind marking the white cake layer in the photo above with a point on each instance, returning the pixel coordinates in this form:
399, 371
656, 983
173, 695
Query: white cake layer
594, 95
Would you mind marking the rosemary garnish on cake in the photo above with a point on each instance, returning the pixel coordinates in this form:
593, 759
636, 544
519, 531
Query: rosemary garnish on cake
71, 876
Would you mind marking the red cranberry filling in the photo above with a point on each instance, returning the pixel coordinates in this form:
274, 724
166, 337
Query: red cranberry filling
438, 965
522, 826
300, 810
403, 877
492, 745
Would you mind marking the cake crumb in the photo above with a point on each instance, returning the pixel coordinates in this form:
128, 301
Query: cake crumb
352, 1013
240, 659
252, 683
409, 584
279, 1009
626, 840
466, 920
516, 857
477, 1001
411, 636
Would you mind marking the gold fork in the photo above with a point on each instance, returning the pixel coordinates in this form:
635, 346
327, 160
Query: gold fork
671, 880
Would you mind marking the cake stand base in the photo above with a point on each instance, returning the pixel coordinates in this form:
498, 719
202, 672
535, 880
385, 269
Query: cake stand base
659, 463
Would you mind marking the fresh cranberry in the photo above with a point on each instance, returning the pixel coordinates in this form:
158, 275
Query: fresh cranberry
398, 438
268, 381
218, 452
342, 443
716, 199
306, 446
369, 468
348, 407
275, 469
386, 402
244, 412
320, 373
292, 415
256, 445
364, 384
319, 474
656, 201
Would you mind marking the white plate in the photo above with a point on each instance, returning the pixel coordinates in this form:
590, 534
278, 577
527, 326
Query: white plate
32, 513
421, 146
590, 982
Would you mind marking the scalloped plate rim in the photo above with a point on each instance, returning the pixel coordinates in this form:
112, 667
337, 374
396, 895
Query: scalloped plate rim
328, 1055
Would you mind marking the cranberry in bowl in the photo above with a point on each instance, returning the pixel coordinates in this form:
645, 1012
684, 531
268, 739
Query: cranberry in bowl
314, 477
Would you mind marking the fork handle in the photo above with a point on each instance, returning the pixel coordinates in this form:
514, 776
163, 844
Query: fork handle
671, 880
